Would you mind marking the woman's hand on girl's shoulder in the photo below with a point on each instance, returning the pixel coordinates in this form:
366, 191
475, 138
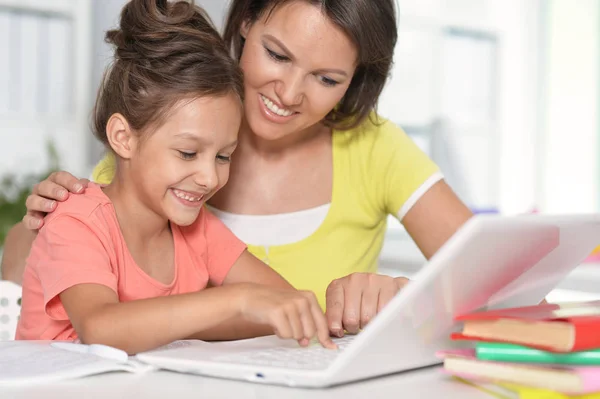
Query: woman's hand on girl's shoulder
354, 300
44, 196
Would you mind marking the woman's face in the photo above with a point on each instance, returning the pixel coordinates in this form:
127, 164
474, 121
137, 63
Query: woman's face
297, 66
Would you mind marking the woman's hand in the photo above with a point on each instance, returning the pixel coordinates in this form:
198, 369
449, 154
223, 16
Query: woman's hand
292, 314
44, 196
354, 300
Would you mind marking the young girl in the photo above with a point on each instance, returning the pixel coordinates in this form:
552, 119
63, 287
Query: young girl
127, 264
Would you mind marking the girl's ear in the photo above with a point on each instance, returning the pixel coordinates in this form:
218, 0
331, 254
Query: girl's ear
120, 137
245, 28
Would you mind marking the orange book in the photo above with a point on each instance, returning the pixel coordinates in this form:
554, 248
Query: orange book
564, 327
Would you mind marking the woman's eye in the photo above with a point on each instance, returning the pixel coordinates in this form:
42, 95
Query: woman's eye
186, 155
277, 57
223, 158
328, 82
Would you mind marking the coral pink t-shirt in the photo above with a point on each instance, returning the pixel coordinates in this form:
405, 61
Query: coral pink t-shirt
81, 242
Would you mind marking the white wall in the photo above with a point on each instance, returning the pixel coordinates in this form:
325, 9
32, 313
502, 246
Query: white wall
216, 9
105, 15
42, 40
494, 159
569, 166
520, 23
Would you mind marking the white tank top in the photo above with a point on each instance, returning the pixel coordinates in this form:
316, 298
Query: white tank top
269, 230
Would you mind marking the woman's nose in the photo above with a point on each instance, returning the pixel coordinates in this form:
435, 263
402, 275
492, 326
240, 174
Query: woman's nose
291, 89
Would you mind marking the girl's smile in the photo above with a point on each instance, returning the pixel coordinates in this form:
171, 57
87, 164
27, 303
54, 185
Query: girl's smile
187, 198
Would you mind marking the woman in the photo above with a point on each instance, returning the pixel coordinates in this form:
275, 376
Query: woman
316, 172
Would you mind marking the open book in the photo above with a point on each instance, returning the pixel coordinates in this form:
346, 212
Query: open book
24, 362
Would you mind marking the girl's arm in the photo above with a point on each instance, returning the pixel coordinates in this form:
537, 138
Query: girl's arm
137, 326
238, 309
247, 269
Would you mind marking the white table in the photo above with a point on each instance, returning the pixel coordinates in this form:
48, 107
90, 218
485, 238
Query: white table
424, 383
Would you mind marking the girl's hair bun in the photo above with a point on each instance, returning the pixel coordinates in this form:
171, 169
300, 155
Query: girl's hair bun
164, 51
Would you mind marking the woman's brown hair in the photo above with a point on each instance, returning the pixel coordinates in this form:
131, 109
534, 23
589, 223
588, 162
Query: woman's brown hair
370, 24
164, 52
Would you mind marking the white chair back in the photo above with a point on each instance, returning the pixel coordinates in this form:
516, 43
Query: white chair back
10, 309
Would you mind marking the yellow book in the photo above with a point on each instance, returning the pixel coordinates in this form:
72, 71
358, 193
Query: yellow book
513, 391
536, 393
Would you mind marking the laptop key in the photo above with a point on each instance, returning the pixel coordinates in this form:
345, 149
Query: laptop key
313, 357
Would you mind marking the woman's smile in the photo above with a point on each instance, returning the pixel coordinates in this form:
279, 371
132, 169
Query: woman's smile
274, 112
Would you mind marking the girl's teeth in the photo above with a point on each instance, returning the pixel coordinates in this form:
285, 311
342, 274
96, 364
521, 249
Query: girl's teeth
186, 197
274, 108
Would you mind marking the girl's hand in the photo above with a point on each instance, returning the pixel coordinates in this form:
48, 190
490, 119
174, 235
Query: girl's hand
292, 314
354, 300
45, 194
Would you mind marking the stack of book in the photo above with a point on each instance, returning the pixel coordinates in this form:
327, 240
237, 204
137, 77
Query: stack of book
543, 351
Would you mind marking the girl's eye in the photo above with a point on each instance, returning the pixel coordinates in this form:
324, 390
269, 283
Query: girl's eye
187, 155
277, 57
328, 82
223, 158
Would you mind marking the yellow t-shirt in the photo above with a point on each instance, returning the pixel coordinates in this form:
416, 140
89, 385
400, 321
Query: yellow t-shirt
377, 170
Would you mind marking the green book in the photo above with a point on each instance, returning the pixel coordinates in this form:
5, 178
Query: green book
500, 352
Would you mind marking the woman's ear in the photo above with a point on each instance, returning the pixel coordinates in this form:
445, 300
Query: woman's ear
120, 137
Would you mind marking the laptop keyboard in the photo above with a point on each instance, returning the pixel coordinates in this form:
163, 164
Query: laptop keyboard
313, 357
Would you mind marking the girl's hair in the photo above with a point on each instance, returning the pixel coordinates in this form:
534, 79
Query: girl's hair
370, 24
164, 52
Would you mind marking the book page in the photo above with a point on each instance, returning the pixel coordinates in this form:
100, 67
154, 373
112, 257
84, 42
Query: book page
37, 361
178, 344
108, 352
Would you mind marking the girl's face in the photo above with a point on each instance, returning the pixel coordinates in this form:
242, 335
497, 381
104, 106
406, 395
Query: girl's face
297, 66
186, 160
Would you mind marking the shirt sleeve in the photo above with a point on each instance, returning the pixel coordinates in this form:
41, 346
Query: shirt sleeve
74, 254
104, 172
223, 248
400, 170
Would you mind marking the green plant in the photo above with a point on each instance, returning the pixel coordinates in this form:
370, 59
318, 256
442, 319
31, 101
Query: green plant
14, 190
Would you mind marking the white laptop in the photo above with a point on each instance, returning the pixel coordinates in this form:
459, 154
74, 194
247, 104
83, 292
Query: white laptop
491, 262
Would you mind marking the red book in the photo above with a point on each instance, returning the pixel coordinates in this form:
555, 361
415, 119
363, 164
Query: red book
567, 327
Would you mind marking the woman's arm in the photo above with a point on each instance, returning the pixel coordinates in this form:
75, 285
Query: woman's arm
43, 200
352, 301
435, 217
16, 249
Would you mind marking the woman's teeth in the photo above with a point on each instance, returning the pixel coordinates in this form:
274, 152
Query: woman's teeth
274, 108
186, 196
